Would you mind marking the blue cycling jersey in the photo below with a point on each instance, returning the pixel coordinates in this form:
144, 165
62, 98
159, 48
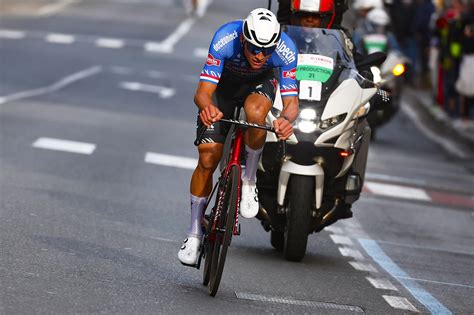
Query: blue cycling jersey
226, 58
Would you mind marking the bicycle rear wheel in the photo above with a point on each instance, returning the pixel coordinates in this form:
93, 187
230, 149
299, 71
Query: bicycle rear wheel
226, 230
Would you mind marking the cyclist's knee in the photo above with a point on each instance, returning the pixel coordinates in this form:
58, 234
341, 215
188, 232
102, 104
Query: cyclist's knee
256, 108
209, 156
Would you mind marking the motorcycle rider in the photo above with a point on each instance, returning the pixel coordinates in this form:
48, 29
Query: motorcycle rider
320, 14
239, 66
285, 11
376, 22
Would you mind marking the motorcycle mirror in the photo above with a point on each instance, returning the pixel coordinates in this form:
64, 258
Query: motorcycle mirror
373, 59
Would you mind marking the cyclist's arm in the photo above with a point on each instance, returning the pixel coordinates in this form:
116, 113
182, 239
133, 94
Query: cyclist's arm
290, 108
208, 112
283, 124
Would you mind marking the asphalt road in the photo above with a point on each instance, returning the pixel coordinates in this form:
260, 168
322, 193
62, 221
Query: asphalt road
97, 229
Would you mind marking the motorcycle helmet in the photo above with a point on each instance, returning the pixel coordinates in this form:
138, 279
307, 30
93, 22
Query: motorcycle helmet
378, 16
367, 4
323, 10
378, 20
261, 28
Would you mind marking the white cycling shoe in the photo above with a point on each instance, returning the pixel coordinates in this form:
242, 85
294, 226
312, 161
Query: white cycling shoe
249, 200
189, 252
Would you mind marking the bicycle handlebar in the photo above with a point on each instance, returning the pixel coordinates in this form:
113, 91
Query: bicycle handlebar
243, 123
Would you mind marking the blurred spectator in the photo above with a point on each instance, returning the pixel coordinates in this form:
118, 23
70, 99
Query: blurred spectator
402, 14
465, 83
449, 33
424, 9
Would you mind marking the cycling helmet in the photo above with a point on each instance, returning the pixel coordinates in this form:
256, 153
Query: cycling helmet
324, 8
261, 28
378, 17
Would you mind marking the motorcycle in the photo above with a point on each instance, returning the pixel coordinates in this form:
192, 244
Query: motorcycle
325, 160
389, 76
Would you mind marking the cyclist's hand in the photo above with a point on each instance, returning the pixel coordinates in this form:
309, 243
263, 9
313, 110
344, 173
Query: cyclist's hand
283, 128
210, 114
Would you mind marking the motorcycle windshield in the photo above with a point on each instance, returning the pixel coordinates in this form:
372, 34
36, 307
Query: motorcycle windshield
324, 61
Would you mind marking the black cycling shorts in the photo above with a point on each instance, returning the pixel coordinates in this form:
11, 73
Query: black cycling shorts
229, 95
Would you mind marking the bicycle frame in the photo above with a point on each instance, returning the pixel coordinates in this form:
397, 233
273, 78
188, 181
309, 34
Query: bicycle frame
234, 161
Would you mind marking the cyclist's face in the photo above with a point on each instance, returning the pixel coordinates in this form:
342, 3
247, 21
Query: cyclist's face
257, 60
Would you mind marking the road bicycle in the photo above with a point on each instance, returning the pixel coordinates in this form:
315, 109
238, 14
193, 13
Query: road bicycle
223, 220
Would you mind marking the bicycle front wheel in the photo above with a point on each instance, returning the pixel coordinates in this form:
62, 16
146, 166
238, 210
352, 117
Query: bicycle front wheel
225, 229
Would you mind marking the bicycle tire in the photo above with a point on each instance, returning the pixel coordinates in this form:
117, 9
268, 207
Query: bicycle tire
207, 248
227, 221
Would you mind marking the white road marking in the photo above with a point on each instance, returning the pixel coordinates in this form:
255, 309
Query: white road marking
109, 43
397, 191
380, 283
162, 91
60, 38
64, 145
54, 87
54, 8
201, 52
340, 239
348, 252
417, 291
167, 45
170, 160
363, 267
11, 34
400, 303
448, 145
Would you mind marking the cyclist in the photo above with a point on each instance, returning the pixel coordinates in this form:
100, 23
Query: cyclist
240, 69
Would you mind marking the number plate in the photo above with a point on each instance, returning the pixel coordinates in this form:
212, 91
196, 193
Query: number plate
310, 90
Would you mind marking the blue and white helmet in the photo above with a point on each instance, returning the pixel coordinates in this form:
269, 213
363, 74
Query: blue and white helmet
261, 28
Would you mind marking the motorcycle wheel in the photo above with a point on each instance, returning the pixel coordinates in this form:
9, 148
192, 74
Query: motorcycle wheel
298, 223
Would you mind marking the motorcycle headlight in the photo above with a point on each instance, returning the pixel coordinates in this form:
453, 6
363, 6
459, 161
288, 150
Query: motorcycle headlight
307, 120
398, 70
331, 122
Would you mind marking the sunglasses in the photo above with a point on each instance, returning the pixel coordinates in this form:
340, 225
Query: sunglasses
305, 15
255, 50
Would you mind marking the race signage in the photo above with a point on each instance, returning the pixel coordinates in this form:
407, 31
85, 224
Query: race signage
314, 68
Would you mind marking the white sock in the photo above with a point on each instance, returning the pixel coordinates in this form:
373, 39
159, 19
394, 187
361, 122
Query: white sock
251, 163
197, 212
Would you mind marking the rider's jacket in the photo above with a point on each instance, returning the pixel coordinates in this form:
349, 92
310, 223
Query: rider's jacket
226, 59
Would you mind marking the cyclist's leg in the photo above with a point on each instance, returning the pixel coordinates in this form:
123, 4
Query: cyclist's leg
256, 106
210, 152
